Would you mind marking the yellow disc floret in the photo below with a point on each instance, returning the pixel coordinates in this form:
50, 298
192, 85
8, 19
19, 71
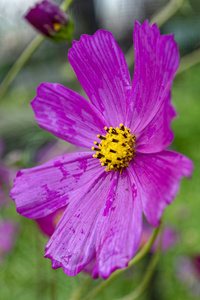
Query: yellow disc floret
116, 149
56, 26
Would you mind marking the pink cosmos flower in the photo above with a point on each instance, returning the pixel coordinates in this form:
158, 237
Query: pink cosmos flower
130, 173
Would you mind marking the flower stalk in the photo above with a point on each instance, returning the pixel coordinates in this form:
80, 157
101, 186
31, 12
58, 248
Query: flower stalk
160, 18
66, 4
81, 290
21, 61
135, 260
188, 61
25, 56
149, 273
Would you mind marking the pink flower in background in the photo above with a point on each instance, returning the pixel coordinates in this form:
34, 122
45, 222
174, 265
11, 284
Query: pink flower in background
8, 234
188, 272
169, 237
131, 172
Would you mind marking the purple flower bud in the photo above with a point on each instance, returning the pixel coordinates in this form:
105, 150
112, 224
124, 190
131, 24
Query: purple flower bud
51, 21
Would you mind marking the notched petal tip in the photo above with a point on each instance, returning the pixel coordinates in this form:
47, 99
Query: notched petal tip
146, 25
100, 33
107, 83
137, 23
39, 91
12, 191
189, 167
156, 61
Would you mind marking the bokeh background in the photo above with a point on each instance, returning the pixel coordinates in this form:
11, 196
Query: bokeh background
24, 273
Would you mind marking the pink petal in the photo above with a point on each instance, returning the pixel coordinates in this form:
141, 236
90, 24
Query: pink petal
156, 61
48, 224
90, 266
120, 228
157, 135
42, 190
92, 229
67, 114
157, 178
103, 73
72, 246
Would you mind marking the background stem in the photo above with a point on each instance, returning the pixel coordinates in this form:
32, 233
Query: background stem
188, 61
136, 258
20, 62
148, 275
24, 57
159, 18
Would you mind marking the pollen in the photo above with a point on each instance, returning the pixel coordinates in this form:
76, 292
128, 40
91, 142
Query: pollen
56, 26
116, 148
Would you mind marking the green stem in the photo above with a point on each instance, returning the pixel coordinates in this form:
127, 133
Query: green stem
136, 258
24, 57
167, 12
189, 61
66, 4
53, 285
148, 275
82, 289
159, 18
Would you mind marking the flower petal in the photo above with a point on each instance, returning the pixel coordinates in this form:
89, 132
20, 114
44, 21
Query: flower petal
48, 224
67, 114
42, 190
157, 178
103, 73
72, 246
120, 227
156, 61
157, 135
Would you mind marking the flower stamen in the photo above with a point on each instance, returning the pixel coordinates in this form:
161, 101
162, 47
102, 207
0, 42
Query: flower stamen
116, 149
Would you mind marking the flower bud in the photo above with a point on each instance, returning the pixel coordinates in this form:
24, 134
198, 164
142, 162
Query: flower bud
51, 21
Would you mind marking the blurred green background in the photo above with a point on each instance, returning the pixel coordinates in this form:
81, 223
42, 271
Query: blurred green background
24, 273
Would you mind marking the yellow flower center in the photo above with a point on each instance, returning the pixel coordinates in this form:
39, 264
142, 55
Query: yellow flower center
116, 149
56, 26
